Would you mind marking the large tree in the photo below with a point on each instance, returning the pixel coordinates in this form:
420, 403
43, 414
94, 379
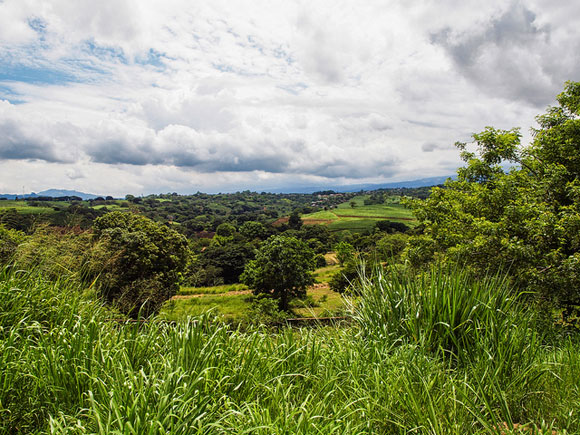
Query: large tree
145, 260
513, 208
282, 269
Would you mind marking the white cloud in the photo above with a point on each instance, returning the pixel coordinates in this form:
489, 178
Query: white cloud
295, 91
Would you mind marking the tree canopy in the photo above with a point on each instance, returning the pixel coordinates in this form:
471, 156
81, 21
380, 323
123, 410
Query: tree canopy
282, 269
145, 261
513, 207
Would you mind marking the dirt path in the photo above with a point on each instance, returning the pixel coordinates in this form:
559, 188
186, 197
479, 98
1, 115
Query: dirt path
232, 293
236, 292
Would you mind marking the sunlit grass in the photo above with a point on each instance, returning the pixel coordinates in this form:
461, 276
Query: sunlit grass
362, 217
228, 307
324, 274
65, 369
218, 289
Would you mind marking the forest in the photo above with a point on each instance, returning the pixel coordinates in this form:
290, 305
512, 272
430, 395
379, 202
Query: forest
458, 304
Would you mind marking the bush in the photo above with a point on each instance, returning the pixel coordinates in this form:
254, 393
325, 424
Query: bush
319, 261
146, 262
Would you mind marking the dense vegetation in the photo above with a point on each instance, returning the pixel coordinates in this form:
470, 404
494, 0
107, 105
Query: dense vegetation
66, 369
525, 219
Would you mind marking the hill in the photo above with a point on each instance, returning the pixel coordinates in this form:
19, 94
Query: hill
54, 193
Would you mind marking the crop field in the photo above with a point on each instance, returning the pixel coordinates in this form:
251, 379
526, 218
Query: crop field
360, 217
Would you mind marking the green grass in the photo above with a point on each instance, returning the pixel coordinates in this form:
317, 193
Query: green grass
212, 290
65, 369
108, 207
324, 274
26, 209
327, 303
323, 214
227, 307
362, 217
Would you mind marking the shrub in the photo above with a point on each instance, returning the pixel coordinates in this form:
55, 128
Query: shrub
146, 261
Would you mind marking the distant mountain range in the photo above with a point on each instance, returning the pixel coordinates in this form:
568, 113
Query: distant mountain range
54, 193
432, 181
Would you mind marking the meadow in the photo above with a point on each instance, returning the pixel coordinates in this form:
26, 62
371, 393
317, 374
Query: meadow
440, 355
361, 217
24, 208
232, 303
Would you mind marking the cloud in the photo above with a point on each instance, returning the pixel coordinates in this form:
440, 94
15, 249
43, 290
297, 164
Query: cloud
512, 55
39, 140
263, 92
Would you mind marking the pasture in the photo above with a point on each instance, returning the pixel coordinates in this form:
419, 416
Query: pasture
23, 207
232, 302
361, 217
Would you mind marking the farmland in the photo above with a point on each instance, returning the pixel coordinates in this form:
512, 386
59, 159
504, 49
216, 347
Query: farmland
361, 217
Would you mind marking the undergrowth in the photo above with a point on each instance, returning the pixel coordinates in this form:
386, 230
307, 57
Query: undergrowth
441, 355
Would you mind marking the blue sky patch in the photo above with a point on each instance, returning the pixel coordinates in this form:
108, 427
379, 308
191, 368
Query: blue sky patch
26, 74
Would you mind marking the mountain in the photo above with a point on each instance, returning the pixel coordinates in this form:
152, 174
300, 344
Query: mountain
422, 182
55, 193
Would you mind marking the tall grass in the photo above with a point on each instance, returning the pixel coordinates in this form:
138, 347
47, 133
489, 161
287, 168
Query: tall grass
442, 310
65, 369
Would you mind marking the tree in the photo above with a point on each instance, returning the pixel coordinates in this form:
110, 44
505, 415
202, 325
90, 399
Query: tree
253, 230
294, 221
525, 219
282, 269
228, 260
145, 261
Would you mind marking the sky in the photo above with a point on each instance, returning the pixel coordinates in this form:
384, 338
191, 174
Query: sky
120, 97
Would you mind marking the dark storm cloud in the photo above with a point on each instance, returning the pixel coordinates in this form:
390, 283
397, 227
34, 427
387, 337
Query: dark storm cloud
197, 152
512, 56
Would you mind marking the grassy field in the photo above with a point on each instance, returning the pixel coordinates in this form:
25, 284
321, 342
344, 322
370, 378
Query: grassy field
24, 208
360, 217
218, 289
112, 207
232, 302
228, 307
476, 361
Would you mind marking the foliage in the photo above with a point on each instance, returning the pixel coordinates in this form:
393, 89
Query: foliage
390, 246
525, 219
443, 310
319, 261
392, 227
147, 259
294, 221
64, 368
9, 241
265, 311
253, 230
344, 252
228, 261
61, 252
282, 269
